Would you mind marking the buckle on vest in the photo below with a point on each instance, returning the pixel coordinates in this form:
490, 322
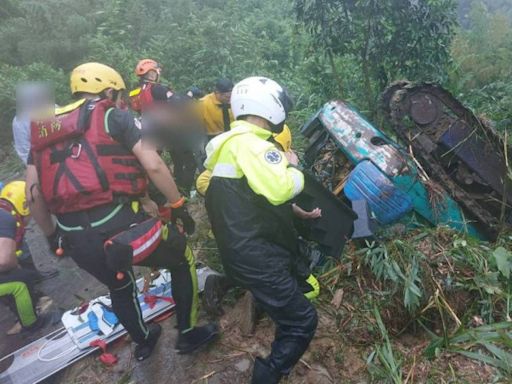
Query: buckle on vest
75, 154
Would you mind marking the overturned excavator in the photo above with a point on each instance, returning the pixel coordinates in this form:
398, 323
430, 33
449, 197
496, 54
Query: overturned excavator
438, 173
462, 152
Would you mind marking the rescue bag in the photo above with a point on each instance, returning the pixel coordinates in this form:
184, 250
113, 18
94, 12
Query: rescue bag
133, 245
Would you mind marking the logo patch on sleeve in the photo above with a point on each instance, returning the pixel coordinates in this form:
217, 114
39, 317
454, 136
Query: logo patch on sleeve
273, 156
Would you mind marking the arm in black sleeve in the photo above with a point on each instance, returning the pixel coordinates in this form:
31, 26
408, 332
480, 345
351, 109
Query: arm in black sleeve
123, 128
160, 92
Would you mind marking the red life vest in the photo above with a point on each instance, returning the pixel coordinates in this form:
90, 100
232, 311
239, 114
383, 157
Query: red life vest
80, 166
20, 224
141, 98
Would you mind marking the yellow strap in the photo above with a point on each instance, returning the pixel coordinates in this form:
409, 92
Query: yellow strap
135, 92
68, 108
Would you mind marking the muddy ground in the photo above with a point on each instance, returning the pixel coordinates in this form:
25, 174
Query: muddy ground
339, 353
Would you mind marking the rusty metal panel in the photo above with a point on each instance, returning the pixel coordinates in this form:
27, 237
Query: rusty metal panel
478, 155
359, 140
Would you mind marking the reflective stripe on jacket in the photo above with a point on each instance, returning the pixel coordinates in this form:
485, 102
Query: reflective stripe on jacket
245, 151
249, 193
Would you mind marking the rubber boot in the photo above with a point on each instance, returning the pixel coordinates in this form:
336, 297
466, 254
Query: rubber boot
197, 337
144, 350
263, 373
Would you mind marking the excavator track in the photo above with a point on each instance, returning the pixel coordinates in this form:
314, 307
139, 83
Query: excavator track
459, 150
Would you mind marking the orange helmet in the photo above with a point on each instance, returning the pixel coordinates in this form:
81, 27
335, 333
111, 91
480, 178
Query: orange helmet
146, 65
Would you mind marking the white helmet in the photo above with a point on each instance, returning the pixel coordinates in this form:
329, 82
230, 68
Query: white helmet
263, 97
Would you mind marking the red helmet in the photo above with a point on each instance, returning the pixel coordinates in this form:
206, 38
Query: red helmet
146, 65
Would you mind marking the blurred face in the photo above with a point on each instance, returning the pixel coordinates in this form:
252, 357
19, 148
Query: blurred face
224, 97
152, 75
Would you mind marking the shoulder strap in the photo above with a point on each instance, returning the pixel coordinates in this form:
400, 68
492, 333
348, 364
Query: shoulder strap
68, 108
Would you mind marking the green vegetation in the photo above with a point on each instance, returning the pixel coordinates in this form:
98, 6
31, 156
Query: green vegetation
319, 49
388, 40
454, 289
481, 74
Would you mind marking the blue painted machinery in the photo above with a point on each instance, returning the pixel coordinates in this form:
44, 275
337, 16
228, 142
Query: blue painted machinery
375, 169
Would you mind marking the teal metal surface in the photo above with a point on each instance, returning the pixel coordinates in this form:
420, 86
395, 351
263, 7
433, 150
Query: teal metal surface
360, 141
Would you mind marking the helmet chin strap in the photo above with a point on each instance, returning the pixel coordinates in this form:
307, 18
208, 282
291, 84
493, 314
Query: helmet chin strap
277, 128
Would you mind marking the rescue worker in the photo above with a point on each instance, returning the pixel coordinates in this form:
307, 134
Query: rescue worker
216, 286
17, 272
89, 168
149, 89
150, 98
174, 126
216, 110
247, 203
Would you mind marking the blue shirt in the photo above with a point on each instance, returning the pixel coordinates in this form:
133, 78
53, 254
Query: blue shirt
21, 135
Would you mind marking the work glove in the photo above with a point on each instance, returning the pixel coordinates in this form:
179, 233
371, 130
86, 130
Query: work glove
187, 221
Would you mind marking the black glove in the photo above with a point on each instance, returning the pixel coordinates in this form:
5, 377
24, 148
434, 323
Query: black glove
187, 221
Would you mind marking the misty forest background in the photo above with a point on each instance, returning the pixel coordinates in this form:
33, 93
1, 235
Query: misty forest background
320, 49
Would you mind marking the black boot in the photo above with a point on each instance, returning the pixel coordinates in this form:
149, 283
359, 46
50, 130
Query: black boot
215, 287
194, 339
144, 350
44, 320
263, 373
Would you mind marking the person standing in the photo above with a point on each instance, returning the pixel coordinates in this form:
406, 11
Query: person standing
247, 201
149, 90
89, 168
31, 98
216, 109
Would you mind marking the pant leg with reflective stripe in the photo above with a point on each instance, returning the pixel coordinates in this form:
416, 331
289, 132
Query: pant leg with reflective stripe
176, 256
24, 305
125, 304
86, 249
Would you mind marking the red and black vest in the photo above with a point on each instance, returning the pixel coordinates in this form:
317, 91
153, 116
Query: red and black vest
79, 165
20, 224
141, 98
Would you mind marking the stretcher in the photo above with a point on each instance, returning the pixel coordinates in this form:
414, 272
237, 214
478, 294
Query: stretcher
72, 342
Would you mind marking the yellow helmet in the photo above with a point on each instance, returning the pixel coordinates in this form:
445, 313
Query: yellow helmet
14, 193
95, 78
284, 138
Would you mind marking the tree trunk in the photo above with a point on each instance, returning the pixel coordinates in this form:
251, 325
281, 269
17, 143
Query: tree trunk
335, 73
366, 73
